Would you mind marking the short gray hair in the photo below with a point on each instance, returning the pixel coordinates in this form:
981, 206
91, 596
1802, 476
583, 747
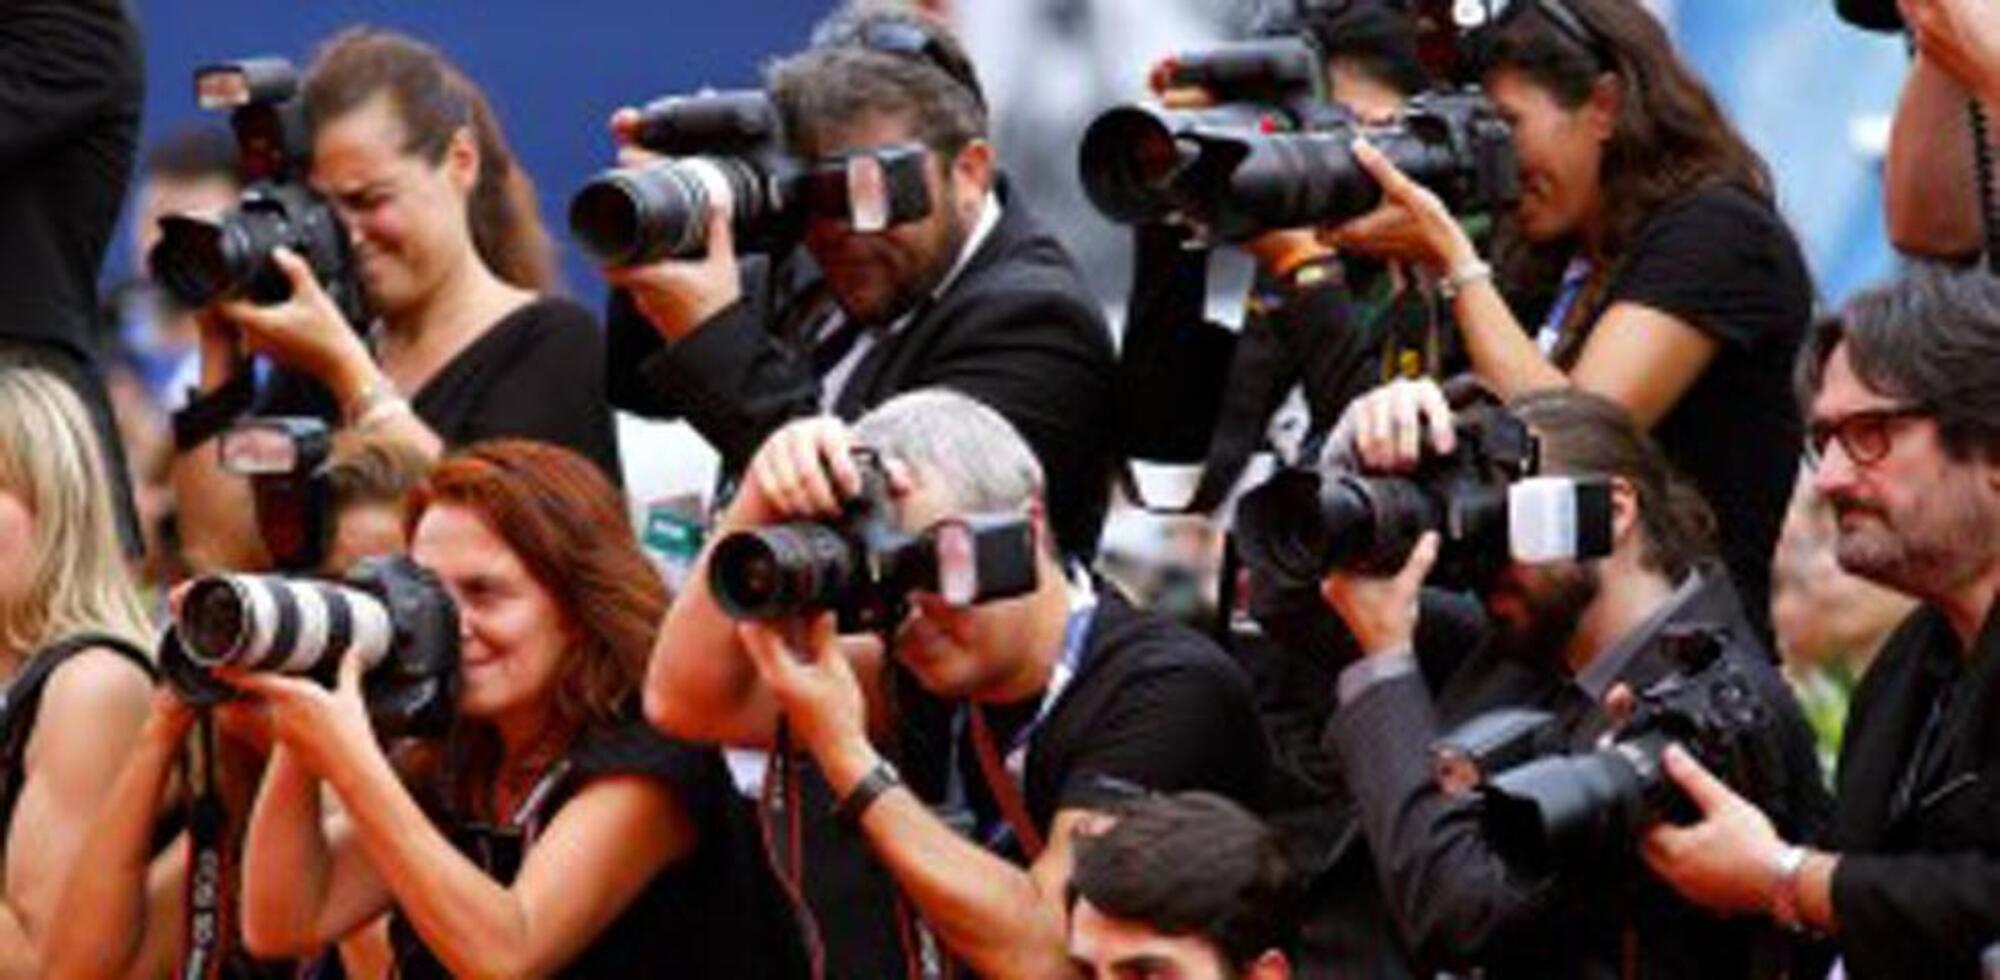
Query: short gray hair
981, 459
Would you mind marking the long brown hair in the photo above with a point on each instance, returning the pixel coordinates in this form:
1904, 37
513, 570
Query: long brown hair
567, 525
434, 100
1670, 135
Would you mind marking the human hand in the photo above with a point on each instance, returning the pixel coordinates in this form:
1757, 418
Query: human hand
323, 728
801, 664
1960, 36
1411, 223
305, 332
1727, 861
1383, 429
1382, 612
678, 295
1160, 81
806, 469
1280, 252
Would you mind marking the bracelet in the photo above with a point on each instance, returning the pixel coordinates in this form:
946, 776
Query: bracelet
376, 404
1784, 898
1462, 276
879, 780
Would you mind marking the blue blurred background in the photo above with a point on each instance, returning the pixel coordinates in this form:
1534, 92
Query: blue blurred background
1802, 86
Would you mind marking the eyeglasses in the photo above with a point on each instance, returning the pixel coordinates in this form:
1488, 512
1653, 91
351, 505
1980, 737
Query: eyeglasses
1865, 436
909, 40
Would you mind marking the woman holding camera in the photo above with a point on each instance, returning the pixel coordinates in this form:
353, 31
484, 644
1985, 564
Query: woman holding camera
72, 631
450, 254
559, 833
1645, 262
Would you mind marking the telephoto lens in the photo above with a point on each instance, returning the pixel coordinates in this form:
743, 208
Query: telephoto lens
263, 622
643, 214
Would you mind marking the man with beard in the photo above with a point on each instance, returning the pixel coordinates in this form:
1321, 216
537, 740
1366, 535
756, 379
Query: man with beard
1903, 397
1562, 637
973, 295
967, 744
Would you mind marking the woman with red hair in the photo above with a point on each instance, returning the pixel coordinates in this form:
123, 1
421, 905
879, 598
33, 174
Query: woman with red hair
557, 833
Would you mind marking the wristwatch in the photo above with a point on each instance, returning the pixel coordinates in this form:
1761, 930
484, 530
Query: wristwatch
1785, 887
879, 780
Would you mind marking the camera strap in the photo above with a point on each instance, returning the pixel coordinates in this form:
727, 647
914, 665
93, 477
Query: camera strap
207, 927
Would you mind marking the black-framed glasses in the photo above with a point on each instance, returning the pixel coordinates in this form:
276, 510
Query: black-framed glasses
1866, 436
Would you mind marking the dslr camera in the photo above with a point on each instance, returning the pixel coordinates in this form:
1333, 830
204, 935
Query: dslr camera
1546, 807
1274, 152
199, 259
390, 611
862, 567
735, 140
1484, 499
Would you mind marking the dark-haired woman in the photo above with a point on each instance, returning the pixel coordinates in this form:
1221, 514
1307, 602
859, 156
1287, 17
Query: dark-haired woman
454, 263
1646, 263
559, 835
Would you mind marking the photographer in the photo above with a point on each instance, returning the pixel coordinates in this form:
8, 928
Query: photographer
1189, 886
1320, 328
450, 254
1560, 636
1905, 446
1645, 262
1010, 721
975, 296
546, 779
71, 635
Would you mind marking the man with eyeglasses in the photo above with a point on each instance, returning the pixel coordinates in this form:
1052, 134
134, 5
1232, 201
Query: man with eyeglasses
963, 289
1903, 392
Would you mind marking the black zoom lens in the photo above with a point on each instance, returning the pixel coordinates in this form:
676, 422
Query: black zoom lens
642, 214
1297, 526
200, 261
1569, 808
782, 570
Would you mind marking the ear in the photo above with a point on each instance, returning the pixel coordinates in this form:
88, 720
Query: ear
1600, 111
1271, 965
461, 160
1624, 510
972, 175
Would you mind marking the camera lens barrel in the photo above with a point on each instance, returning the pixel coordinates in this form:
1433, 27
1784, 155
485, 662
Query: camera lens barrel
261, 622
636, 215
782, 570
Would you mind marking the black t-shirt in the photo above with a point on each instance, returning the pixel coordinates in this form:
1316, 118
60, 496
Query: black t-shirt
1153, 707
1724, 262
706, 915
536, 374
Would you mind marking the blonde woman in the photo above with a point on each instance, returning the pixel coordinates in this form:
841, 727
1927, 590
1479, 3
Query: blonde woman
72, 631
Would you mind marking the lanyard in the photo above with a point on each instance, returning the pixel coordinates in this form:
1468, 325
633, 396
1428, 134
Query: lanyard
1574, 276
1006, 773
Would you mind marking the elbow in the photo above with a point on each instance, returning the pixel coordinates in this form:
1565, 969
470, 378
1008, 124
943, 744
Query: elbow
265, 940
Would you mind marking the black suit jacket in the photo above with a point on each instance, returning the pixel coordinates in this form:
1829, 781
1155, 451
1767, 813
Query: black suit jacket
1917, 890
70, 92
1016, 330
1459, 903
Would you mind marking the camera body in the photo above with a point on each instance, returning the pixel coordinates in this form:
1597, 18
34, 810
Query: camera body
1274, 153
201, 259
394, 614
734, 140
1546, 807
284, 457
1305, 522
862, 567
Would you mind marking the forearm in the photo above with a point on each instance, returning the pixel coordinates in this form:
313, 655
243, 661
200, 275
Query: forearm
1930, 190
990, 913
286, 862
473, 924
1502, 353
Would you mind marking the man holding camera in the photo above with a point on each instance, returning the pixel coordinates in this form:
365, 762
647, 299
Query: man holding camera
1588, 639
1904, 413
973, 296
1189, 886
1010, 721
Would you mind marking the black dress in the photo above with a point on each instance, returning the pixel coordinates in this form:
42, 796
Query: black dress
536, 374
706, 915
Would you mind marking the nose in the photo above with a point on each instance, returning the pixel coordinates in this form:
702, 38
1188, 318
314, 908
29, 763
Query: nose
1836, 470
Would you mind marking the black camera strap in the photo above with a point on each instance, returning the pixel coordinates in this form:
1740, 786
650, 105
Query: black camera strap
208, 884
1982, 166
